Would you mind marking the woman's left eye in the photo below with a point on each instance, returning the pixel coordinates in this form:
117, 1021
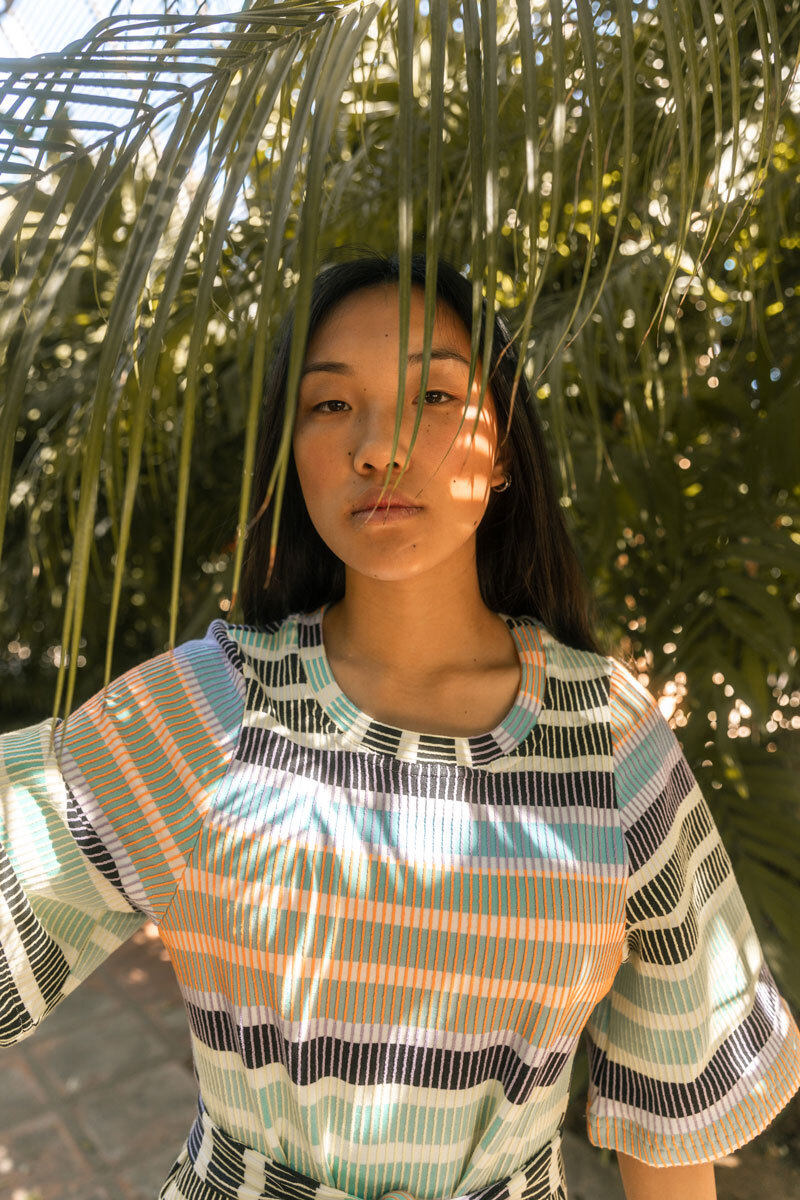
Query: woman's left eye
323, 406
444, 395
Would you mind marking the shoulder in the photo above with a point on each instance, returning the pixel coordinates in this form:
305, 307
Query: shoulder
633, 707
562, 661
216, 664
249, 648
271, 635
641, 736
650, 769
629, 701
192, 696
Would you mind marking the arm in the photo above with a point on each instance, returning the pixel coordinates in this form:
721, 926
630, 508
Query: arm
693, 1051
62, 905
643, 1182
97, 824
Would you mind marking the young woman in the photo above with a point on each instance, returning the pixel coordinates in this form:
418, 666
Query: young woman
406, 831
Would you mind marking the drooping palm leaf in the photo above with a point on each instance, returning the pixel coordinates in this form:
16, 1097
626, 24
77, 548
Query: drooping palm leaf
231, 73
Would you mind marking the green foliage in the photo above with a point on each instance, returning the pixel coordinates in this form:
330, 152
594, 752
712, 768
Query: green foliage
620, 179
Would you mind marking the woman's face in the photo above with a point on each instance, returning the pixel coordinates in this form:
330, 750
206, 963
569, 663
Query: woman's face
344, 430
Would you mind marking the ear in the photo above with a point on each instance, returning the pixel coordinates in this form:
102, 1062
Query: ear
502, 466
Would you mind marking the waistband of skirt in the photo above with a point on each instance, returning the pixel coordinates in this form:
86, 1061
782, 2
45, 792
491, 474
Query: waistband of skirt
233, 1171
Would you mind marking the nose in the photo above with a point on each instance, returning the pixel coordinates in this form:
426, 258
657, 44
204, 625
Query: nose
374, 435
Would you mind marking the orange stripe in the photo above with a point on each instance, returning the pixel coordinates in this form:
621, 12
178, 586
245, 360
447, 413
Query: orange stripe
198, 797
285, 966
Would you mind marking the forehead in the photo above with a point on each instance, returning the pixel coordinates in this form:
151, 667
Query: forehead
374, 312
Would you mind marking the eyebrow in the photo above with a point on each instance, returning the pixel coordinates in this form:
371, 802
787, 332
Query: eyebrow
340, 368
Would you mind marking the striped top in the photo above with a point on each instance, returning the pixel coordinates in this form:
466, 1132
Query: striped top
390, 944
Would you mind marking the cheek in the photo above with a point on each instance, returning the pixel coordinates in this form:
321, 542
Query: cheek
312, 460
470, 461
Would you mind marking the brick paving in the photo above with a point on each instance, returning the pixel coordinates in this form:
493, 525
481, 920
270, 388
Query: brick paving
97, 1103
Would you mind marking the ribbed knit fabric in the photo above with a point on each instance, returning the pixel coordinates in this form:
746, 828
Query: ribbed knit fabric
389, 944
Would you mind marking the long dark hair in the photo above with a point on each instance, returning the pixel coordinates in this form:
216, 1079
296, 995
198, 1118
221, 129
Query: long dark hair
527, 564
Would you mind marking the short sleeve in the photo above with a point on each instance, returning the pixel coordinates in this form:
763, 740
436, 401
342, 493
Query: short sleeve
693, 1051
98, 818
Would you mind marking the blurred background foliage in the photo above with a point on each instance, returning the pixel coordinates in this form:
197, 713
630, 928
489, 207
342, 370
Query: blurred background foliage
673, 427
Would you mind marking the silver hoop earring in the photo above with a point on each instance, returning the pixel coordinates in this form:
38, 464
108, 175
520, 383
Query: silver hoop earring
505, 485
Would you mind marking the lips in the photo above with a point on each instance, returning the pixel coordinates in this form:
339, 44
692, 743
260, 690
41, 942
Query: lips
370, 499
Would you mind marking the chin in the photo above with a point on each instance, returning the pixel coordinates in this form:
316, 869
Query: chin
390, 573
389, 567
392, 564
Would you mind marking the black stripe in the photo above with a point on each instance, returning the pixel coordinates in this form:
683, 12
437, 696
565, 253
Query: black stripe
648, 832
87, 839
662, 894
732, 1059
49, 967
353, 769
372, 1063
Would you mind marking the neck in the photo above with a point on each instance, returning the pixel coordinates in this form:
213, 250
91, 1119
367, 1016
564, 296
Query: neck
416, 629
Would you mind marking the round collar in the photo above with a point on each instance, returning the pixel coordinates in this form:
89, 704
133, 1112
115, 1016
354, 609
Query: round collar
358, 730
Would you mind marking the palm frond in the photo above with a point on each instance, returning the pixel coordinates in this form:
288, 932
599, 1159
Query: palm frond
273, 93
